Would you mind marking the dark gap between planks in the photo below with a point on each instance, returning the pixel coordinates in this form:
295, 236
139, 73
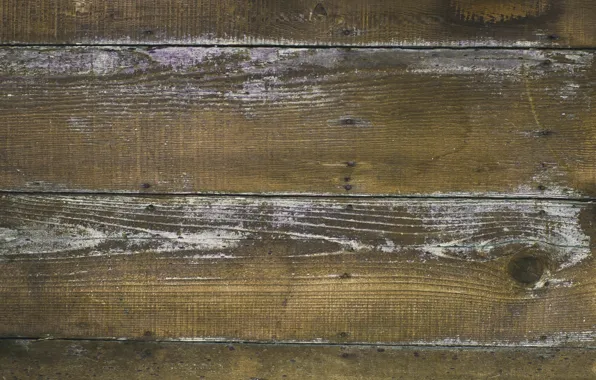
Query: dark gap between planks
299, 46
300, 196
424, 346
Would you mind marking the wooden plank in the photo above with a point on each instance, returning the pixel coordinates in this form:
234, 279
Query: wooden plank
316, 121
439, 272
25, 359
567, 23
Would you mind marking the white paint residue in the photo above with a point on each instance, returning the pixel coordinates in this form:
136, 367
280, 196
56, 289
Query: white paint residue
388, 247
50, 240
232, 40
455, 229
441, 250
72, 61
185, 57
552, 191
323, 254
569, 90
558, 283
555, 227
212, 256
276, 61
105, 62
556, 339
496, 63
25, 343
327, 58
265, 56
8, 235
66, 238
205, 240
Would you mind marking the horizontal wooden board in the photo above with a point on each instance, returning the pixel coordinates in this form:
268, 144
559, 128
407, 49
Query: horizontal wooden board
429, 272
26, 359
567, 23
316, 121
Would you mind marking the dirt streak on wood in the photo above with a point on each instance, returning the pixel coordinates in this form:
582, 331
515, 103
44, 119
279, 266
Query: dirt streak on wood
440, 272
25, 359
349, 22
316, 121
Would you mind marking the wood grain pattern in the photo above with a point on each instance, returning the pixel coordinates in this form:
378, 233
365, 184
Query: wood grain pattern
24, 359
440, 272
567, 23
302, 121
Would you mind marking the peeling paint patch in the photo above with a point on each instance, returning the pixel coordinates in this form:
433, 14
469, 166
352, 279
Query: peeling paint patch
461, 229
8, 234
106, 60
64, 238
560, 234
551, 340
499, 63
184, 58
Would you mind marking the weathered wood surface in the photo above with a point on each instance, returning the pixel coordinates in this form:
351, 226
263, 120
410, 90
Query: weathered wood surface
567, 23
26, 359
317, 121
440, 272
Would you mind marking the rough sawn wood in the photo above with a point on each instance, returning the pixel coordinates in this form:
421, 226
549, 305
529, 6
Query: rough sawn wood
440, 272
506, 23
298, 121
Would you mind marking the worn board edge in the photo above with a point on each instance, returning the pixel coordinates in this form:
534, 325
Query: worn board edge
488, 44
554, 159
522, 193
179, 243
370, 23
106, 360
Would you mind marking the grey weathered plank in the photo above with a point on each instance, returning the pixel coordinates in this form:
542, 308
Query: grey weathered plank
25, 359
318, 121
445, 272
348, 22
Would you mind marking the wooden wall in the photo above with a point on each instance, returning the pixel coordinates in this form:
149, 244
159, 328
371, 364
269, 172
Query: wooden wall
304, 189
421, 23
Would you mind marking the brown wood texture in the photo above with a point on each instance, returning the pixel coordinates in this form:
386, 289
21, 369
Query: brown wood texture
25, 359
302, 121
428, 272
566, 23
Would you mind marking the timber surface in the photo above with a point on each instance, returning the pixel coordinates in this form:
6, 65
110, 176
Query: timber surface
153, 188
298, 121
426, 272
565, 23
26, 359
